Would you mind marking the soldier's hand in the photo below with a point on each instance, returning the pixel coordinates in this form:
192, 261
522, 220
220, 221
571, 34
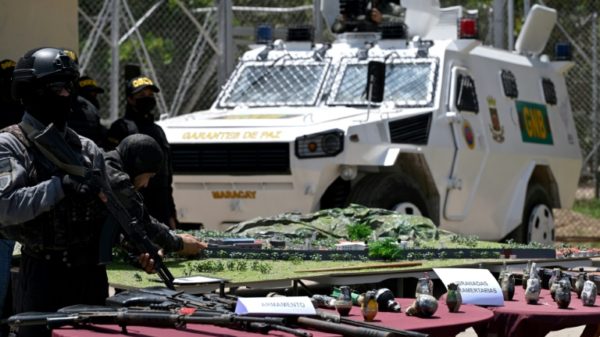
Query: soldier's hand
147, 263
74, 185
376, 16
191, 245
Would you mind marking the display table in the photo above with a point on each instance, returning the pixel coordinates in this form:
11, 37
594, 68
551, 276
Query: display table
443, 323
517, 318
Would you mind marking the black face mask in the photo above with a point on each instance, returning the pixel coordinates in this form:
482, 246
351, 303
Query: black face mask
50, 108
145, 105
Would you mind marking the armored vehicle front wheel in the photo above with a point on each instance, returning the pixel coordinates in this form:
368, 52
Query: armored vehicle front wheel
393, 191
537, 224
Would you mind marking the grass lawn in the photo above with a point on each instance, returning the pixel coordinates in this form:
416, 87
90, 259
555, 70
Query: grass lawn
126, 275
588, 207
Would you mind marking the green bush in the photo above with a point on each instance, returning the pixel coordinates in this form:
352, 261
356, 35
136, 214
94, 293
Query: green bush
386, 249
359, 232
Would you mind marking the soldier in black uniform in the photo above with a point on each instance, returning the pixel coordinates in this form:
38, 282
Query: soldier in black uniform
89, 89
85, 117
139, 118
57, 217
130, 167
367, 15
11, 111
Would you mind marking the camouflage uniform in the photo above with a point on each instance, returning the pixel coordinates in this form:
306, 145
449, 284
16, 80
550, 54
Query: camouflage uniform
59, 233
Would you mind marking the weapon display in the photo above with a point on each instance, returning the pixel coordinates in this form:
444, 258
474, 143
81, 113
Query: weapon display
158, 297
81, 315
161, 307
54, 147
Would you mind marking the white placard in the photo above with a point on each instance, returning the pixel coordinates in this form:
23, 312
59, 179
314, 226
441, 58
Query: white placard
196, 280
293, 305
477, 286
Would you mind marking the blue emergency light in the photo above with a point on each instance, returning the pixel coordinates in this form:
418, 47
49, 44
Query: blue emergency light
562, 51
264, 34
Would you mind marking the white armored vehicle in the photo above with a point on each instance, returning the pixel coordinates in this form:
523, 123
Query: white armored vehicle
478, 139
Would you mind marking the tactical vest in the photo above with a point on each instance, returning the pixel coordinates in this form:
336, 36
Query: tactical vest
72, 228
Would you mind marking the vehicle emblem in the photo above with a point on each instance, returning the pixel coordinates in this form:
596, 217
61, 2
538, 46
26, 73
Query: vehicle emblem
496, 128
469, 134
534, 123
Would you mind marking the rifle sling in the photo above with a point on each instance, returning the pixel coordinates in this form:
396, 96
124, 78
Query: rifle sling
32, 133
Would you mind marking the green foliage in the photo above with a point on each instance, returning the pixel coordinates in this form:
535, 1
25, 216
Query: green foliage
124, 274
158, 47
386, 249
588, 207
216, 266
359, 232
467, 241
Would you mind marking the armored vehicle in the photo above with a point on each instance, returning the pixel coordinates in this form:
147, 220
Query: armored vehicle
480, 140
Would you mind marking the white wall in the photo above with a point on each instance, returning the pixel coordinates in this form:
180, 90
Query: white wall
28, 24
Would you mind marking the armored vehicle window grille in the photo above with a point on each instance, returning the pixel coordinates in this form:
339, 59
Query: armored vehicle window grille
466, 96
411, 130
408, 82
282, 82
549, 92
509, 84
231, 159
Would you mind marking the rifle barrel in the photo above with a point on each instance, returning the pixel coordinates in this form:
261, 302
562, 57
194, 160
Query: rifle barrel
342, 329
378, 327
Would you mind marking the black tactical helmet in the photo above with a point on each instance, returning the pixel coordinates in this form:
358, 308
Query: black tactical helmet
40, 67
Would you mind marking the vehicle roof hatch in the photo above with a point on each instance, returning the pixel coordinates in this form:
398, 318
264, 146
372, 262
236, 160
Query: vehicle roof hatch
536, 30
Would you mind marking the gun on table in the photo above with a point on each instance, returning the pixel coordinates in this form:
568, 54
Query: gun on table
81, 315
54, 147
161, 298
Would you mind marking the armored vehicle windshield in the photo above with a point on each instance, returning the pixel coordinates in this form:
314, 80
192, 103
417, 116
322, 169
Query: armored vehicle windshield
408, 82
276, 83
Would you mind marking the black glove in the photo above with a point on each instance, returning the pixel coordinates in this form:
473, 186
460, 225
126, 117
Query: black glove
77, 185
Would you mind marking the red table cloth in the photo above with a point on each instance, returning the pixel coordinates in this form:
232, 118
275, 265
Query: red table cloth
443, 323
517, 318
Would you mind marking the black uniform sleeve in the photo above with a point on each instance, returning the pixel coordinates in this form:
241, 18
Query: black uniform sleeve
117, 132
158, 232
158, 195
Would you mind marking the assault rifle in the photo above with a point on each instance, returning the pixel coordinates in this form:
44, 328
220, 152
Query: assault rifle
165, 299
54, 147
81, 315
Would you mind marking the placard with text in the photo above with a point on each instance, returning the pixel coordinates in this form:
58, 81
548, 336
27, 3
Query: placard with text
477, 286
293, 305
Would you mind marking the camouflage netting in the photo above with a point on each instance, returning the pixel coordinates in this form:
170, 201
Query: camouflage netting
333, 223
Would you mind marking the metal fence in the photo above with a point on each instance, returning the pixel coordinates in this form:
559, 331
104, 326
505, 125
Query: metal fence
190, 46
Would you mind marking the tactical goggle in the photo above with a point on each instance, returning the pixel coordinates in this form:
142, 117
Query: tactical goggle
57, 87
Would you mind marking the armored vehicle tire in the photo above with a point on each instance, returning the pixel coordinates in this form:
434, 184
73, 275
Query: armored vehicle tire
537, 224
393, 191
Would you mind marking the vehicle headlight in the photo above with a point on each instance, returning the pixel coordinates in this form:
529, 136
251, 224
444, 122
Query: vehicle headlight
323, 144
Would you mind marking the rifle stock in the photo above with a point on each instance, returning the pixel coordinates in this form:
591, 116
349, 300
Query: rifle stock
54, 147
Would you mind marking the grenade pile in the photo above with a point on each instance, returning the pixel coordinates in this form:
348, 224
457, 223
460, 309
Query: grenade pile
560, 285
